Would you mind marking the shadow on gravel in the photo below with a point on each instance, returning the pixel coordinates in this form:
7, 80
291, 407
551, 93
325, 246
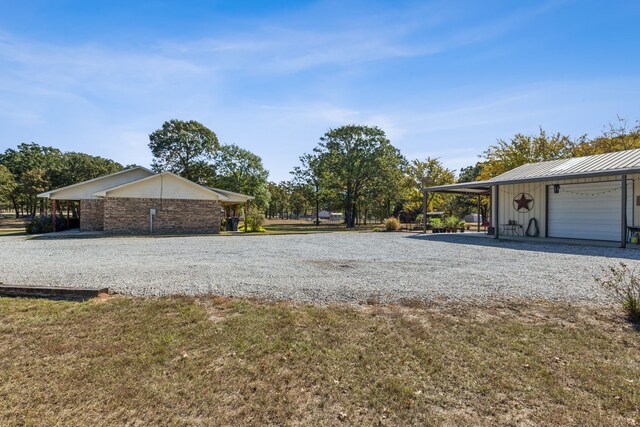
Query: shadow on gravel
531, 246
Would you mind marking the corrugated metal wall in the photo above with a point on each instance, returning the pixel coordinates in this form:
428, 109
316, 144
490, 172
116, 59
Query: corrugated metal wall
537, 191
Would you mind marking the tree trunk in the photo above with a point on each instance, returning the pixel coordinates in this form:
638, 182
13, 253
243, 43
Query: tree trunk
15, 207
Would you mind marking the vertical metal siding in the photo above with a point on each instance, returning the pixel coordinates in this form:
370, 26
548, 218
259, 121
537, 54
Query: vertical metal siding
507, 212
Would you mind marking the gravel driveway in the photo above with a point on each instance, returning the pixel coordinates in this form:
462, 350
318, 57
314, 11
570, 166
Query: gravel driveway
334, 267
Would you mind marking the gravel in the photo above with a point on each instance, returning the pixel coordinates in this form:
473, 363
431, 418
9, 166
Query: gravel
324, 268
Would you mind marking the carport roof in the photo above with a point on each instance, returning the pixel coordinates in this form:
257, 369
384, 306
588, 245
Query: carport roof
617, 163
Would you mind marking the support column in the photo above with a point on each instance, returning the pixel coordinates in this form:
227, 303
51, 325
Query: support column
246, 215
68, 221
425, 208
53, 213
496, 225
623, 228
479, 214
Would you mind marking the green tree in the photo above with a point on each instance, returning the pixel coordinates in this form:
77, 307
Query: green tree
239, 170
461, 204
184, 148
308, 177
523, 149
351, 157
388, 189
615, 137
298, 199
78, 167
21, 162
7, 184
33, 182
429, 173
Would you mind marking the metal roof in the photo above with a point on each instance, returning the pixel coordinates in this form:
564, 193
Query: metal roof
616, 163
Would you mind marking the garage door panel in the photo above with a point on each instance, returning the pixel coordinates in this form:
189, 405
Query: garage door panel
588, 211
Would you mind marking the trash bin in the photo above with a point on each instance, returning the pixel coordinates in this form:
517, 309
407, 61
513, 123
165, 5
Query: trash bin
229, 225
234, 223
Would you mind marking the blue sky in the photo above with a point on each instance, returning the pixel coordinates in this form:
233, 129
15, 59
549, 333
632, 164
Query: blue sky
442, 78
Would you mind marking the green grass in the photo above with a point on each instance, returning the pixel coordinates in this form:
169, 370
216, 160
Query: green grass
309, 228
213, 361
11, 231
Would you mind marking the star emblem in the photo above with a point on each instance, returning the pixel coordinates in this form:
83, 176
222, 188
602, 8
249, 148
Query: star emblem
522, 202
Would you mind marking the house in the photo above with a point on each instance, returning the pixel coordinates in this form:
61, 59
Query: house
324, 214
330, 216
590, 198
138, 201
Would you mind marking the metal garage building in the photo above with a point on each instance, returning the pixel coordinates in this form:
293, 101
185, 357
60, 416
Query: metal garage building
587, 198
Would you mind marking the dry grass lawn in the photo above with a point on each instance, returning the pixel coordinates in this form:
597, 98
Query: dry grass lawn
11, 226
214, 361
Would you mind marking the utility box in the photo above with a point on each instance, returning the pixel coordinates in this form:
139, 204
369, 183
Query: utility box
152, 213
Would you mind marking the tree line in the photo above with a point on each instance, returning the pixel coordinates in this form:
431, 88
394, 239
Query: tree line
354, 170
30, 169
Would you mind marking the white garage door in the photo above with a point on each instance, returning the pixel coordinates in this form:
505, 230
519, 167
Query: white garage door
588, 211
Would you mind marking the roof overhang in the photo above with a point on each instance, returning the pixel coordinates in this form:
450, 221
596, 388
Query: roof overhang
231, 197
468, 188
483, 187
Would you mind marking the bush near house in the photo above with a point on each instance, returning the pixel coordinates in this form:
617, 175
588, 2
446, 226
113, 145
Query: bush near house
254, 221
44, 224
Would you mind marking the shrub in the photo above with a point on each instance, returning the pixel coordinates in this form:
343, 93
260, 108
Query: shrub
392, 224
254, 221
451, 222
436, 223
44, 224
624, 284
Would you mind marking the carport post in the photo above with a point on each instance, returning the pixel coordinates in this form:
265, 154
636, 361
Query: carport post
246, 213
496, 226
424, 211
623, 230
479, 213
53, 213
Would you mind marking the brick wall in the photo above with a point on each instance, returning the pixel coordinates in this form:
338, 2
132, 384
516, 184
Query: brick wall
91, 215
131, 216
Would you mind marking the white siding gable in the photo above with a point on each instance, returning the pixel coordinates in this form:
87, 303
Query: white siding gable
162, 186
86, 190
